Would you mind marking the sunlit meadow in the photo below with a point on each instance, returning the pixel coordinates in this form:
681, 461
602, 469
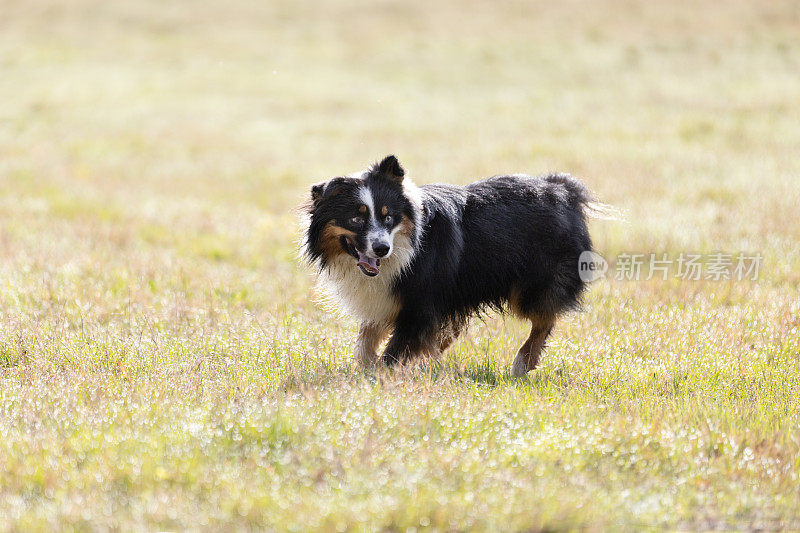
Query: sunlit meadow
166, 363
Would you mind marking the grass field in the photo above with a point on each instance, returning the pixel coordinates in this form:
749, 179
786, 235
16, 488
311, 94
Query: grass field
165, 362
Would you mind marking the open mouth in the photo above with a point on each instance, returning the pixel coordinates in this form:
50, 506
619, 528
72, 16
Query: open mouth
368, 265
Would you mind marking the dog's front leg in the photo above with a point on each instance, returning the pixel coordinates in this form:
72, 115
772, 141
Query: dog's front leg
415, 335
369, 338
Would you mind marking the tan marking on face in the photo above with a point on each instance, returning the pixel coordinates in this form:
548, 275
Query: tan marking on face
362, 209
331, 247
406, 226
384, 210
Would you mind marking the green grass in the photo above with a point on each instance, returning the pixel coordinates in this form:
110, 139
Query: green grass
165, 362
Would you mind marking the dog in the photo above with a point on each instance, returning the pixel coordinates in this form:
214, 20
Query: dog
417, 262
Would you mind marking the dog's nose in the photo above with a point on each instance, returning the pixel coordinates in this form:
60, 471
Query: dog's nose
380, 249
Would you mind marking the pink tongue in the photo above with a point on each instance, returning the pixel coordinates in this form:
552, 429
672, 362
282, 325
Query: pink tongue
368, 263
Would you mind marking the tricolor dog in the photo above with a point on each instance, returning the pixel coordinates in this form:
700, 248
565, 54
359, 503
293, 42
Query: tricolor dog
415, 263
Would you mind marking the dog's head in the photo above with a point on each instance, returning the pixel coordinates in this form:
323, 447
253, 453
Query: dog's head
371, 216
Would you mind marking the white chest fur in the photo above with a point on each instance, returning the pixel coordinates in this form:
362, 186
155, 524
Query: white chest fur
367, 299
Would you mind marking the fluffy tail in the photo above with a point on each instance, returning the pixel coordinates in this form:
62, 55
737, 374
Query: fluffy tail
580, 194
603, 211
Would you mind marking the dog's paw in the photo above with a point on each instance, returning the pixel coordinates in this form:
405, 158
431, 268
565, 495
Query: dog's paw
519, 368
367, 360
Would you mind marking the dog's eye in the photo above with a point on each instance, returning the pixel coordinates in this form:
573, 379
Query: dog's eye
388, 220
357, 221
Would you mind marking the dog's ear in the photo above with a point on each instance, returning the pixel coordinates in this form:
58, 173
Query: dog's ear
325, 189
390, 169
317, 191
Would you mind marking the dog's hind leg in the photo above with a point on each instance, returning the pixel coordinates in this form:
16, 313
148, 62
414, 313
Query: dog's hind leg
528, 355
369, 338
449, 334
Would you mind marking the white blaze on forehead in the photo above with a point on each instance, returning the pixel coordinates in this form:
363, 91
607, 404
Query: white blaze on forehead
374, 233
365, 195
